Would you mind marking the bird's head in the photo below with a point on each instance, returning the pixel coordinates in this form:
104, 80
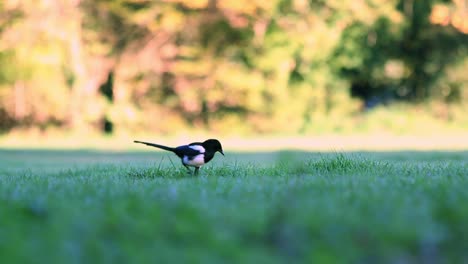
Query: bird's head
213, 144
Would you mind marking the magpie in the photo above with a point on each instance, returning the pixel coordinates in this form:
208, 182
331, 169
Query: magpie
195, 154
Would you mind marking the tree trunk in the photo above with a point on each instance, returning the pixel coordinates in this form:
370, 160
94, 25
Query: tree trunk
20, 100
75, 120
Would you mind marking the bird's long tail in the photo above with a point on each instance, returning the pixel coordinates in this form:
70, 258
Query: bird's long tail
155, 145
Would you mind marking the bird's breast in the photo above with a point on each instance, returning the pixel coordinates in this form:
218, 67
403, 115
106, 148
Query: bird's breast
196, 161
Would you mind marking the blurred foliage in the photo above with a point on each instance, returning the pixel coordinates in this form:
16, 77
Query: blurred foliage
229, 66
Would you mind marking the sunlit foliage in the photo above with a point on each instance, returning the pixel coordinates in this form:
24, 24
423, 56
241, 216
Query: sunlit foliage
255, 65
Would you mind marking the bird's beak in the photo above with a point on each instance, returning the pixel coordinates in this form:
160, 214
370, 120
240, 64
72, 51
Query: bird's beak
221, 152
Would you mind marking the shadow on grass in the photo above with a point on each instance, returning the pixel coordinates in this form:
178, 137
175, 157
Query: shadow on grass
158, 172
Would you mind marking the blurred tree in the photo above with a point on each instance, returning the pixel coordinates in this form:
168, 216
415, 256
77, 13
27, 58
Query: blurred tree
231, 66
399, 56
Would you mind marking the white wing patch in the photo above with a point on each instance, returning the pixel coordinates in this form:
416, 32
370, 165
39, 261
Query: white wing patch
197, 161
199, 148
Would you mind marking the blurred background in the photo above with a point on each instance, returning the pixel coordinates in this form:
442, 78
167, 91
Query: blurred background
90, 69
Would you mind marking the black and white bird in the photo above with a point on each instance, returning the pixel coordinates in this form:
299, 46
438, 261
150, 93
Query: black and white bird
195, 154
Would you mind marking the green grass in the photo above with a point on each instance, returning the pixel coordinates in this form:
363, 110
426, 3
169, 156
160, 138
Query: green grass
142, 207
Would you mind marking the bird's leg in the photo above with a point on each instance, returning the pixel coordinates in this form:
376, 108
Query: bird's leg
189, 170
196, 170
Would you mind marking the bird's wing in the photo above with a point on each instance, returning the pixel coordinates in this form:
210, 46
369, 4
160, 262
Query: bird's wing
189, 150
198, 147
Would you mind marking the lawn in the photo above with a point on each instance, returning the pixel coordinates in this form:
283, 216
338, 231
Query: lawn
273, 207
